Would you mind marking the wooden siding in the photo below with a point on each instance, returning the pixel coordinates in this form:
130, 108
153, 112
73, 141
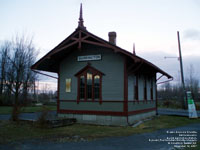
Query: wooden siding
92, 106
134, 106
111, 65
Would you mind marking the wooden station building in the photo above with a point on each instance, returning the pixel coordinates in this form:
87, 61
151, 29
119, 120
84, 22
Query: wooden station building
99, 82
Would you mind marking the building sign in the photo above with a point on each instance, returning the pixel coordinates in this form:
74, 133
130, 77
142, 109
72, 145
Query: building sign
68, 85
191, 106
89, 57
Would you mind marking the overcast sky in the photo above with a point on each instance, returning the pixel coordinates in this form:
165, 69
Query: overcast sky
151, 24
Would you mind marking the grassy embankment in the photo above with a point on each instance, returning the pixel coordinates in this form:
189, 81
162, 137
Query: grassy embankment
10, 131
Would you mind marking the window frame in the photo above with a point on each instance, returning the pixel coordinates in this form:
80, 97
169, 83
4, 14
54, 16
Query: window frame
94, 72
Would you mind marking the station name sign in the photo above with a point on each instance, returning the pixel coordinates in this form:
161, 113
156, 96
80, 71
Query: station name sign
89, 57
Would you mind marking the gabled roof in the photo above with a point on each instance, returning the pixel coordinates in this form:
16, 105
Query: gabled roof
50, 62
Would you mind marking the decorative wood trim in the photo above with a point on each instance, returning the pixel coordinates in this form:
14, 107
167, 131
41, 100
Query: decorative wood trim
112, 113
94, 43
89, 67
110, 101
94, 72
141, 101
104, 101
85, 87
141, 111
93, 88
138, 67
63, 45
68, 45
78, 90
100, 90
79, 40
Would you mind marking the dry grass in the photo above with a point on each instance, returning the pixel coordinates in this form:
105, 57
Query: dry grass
11, 131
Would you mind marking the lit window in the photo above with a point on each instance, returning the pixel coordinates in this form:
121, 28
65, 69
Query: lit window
96, 86
89, 84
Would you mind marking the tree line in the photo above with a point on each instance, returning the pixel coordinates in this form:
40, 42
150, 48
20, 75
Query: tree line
174, 92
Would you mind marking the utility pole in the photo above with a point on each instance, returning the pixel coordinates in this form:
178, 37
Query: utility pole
182, 76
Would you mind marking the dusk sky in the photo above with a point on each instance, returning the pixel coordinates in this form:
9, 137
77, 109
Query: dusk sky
151, 24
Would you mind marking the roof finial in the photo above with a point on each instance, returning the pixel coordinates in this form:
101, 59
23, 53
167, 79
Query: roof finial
134, 49
80, 23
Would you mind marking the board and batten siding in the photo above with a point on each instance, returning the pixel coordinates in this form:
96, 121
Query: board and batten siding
111, 64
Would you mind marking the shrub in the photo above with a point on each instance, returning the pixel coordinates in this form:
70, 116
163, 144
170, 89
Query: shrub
167, 103
43, 116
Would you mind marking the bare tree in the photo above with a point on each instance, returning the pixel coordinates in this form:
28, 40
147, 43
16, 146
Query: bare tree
20, 77
4, 53
16, 60
192, 83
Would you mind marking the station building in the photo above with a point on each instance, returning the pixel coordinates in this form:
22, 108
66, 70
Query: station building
99, 82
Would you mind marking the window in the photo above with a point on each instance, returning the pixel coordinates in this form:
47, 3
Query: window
89, 84
136, 88
96, 87
151, 89
145, 88
82, 87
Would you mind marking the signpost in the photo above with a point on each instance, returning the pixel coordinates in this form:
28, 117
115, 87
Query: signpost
191, 106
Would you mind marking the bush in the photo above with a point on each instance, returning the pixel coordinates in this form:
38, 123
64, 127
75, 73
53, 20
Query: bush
197, 106
167, 104
43, 116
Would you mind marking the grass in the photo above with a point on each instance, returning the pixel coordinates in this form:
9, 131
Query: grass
174, 104
28, 109
11, 131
